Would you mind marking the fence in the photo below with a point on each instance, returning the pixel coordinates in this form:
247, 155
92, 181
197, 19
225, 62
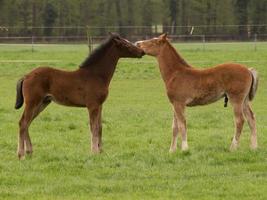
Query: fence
219, 32
34, 42
89, 35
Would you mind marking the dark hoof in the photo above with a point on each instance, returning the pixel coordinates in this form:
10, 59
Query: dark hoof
29, 152
20, 156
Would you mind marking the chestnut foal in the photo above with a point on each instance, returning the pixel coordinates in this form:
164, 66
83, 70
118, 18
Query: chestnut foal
85, 87
187, 86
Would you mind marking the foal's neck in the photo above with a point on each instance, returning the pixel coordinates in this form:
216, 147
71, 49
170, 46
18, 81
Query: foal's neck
170, 61
105, 67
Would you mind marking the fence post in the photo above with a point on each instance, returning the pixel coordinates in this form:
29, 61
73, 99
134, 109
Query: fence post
255, 42
89, 39
91, 44
203, 42
32, 43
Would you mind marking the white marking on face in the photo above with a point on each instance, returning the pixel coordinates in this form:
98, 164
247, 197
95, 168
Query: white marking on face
138, 42
127, 40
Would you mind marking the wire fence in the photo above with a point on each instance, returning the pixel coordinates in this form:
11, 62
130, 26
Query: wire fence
33, 37
241, 31
78, 33
92, 41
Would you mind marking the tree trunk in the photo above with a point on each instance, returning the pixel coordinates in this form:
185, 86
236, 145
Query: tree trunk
120, 23
34, 24
242, 18
173, 13
130, 20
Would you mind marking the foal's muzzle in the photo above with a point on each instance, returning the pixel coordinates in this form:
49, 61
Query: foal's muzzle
143, 53
138, 44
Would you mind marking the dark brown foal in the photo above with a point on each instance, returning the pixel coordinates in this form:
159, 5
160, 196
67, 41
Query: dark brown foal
188, 86
85, 87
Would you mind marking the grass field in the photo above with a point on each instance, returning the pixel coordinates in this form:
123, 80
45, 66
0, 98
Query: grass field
137, 121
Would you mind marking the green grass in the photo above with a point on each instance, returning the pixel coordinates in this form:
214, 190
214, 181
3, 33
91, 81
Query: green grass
137, 121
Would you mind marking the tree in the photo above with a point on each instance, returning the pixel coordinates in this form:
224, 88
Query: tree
147, 17
173, 15
49, 18
185, 15
25, 16
120, 19
241, 7
258, 16
168, 14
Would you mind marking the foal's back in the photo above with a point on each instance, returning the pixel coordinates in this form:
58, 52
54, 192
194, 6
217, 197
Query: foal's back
204, 86
70, 88
230, 77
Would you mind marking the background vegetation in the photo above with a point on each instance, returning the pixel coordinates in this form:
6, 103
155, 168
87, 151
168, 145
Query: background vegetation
155, 15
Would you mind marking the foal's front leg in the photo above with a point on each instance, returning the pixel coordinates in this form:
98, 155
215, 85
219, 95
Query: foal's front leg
96, 129
181, 121
174, 134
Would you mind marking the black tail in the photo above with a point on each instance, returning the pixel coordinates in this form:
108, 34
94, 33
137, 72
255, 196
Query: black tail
19, 98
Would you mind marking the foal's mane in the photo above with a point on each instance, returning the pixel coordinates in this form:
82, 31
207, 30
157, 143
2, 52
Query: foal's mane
97, 53
178, 55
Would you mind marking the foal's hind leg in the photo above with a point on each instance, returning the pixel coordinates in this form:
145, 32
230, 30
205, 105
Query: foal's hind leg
239, 122
21, 137
23, 132
174, 134
30, 112
252, 125
36, 112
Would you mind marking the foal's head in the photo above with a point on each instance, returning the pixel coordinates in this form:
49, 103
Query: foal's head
126, 48
152, 46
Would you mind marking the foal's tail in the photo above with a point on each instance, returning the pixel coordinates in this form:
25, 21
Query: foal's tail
254, 84
19, 98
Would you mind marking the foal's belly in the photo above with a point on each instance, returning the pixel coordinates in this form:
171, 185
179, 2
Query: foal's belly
204, 100
65, 100
76, 98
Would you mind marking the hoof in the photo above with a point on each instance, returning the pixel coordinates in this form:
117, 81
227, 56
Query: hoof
96, 151
185, 147
20, 155
232, 148
234, 145
186, 152
253, 143
253, 146
172, 150
29, 153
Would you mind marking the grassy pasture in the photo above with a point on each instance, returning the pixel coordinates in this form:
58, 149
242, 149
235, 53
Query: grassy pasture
137, 121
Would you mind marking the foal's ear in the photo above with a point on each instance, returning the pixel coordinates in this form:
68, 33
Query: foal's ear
163, 36
114, 35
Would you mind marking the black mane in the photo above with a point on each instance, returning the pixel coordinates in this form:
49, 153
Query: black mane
97, 53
